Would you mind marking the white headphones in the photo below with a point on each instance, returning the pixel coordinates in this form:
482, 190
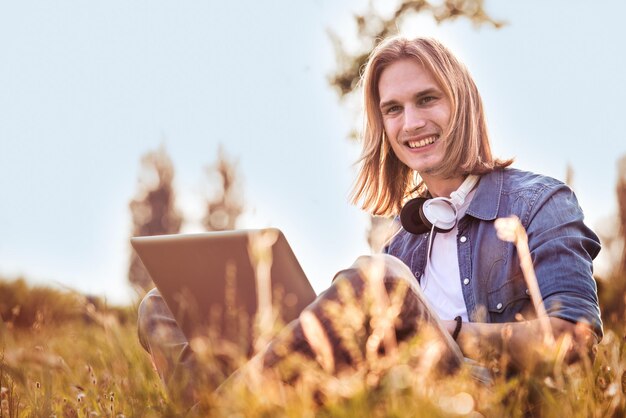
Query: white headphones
420, 215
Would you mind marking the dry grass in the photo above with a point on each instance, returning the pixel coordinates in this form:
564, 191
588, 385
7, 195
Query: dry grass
88, 363
96, 368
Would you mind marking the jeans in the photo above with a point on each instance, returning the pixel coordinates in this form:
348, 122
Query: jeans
390, 310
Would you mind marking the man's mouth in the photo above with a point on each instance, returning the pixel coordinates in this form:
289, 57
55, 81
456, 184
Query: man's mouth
422, 142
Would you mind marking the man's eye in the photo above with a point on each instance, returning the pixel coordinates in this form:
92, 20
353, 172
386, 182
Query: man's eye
392, 109
427, 99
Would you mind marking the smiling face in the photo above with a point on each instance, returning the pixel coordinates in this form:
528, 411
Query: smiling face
415, 113
420, 97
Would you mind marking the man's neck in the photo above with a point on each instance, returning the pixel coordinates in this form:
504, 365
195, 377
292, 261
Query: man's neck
439, 187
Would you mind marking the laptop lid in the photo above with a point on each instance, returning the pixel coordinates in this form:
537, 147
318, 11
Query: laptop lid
213, 282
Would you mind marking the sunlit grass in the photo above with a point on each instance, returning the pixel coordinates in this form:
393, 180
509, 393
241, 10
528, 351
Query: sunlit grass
97, 368
80, 369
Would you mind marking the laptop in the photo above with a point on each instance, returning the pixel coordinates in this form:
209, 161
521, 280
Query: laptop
212, 281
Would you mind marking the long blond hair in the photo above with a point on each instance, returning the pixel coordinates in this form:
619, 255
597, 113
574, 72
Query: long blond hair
384, 182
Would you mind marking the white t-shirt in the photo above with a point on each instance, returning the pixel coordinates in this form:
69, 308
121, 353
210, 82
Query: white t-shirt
441, 282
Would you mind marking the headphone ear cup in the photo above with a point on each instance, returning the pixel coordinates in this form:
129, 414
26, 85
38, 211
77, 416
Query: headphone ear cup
440, 212
411, 216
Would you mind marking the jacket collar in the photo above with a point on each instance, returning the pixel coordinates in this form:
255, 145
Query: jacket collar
486, 201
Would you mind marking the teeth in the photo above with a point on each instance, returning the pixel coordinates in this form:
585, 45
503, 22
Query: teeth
422, 143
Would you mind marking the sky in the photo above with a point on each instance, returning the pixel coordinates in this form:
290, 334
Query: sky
87, 88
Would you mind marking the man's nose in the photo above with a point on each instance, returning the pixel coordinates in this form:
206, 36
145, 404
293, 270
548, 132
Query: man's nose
413, 119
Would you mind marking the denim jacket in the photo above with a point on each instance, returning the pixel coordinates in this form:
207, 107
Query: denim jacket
562, 249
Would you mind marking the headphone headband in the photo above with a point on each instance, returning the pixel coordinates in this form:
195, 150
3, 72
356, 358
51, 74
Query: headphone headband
458, 197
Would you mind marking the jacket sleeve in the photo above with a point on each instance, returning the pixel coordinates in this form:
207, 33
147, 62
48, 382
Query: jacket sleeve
563, 248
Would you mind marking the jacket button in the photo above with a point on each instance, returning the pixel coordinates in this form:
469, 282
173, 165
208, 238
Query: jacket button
499, 306
463, 238
527, 292
466, 281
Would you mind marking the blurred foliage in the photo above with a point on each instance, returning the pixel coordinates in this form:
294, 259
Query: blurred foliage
372, 28
25, 306
153, 209
612, 289
380, 232
33, 307
612, 296
225, 207
621, 216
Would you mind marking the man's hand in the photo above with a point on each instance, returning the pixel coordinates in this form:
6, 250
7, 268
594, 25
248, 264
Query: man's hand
522, 342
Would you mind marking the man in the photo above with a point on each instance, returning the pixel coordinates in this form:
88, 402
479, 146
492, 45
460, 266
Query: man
425, 134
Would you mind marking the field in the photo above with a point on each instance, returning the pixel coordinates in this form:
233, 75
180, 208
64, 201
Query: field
78, 358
